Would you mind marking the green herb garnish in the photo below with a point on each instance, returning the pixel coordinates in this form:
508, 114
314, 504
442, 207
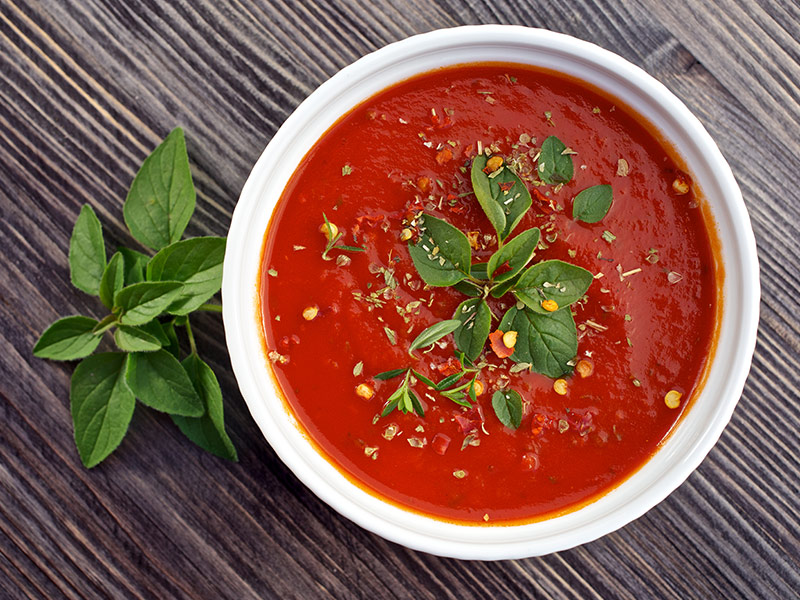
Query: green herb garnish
333, 235
147, 299
546, 335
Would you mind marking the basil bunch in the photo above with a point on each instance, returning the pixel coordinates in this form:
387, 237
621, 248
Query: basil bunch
148, 299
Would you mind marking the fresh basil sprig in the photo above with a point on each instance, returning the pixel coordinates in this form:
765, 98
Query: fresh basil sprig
147, 299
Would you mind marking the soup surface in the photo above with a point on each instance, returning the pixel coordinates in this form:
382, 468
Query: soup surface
333, 320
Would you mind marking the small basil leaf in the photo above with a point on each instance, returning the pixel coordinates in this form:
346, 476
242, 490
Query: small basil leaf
135, 339
502, 195
433, 334
112, 281
502, 289
468, 289
548, 342
161, 199
197, 263
159, 381
552, 280
592, 204
207, 431
141, 302
389, 374
480, 271
442, 255
517, 253
475, 322
101, 404
135, 265
507, 405
172, 345
87, 252
155, 329
554, 166
69, 338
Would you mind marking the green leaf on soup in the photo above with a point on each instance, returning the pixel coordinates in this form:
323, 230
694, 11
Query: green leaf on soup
592, 204
161, 199
554, 165
442, 255
69, 338
207, 431
502, 195
159, 381
135, 339
141, 302
112, 281
475, 322
101, 404
433, 334
197, 263
480, 271
552, 280
517, 254
507, 405
546, 341
87, 252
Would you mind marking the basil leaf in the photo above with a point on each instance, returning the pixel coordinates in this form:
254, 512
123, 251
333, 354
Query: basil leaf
480, 271
442, 255
101, 404
141, 302
389, 374
548, 342
433, 334
475, 320
501, 289
517, 253
468, 289
112, 281
160, 382
207, 431
172, 345
554, 166
502, 195
135, 264
134, 339
161, 199
552, 280
69, 338
197, 263
592, 204
507, 405
155, 329
87, 252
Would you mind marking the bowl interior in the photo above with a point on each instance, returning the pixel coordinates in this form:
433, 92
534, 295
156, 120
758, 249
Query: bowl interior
697, 431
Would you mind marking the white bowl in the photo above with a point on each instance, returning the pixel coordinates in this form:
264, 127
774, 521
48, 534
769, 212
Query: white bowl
696, 432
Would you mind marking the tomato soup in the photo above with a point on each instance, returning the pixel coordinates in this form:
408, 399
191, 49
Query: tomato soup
342, 300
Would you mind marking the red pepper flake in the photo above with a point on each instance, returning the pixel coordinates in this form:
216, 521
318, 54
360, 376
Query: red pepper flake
440, 443
444, 156
451, 367
505, 186
499, 348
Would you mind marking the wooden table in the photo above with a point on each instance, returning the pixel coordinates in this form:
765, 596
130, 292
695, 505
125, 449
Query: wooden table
88, 87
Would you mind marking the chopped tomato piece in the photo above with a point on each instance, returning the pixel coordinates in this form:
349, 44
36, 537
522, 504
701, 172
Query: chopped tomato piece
440, 443
444, 156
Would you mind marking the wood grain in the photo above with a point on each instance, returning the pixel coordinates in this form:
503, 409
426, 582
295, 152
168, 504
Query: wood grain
87, 88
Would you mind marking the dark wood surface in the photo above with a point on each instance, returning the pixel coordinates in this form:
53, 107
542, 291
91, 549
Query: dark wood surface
88, 87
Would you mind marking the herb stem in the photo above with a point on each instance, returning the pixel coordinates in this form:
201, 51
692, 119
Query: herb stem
104, 325
190, 335
210, 307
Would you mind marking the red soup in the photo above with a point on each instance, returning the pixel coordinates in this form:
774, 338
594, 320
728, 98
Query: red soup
542, 380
